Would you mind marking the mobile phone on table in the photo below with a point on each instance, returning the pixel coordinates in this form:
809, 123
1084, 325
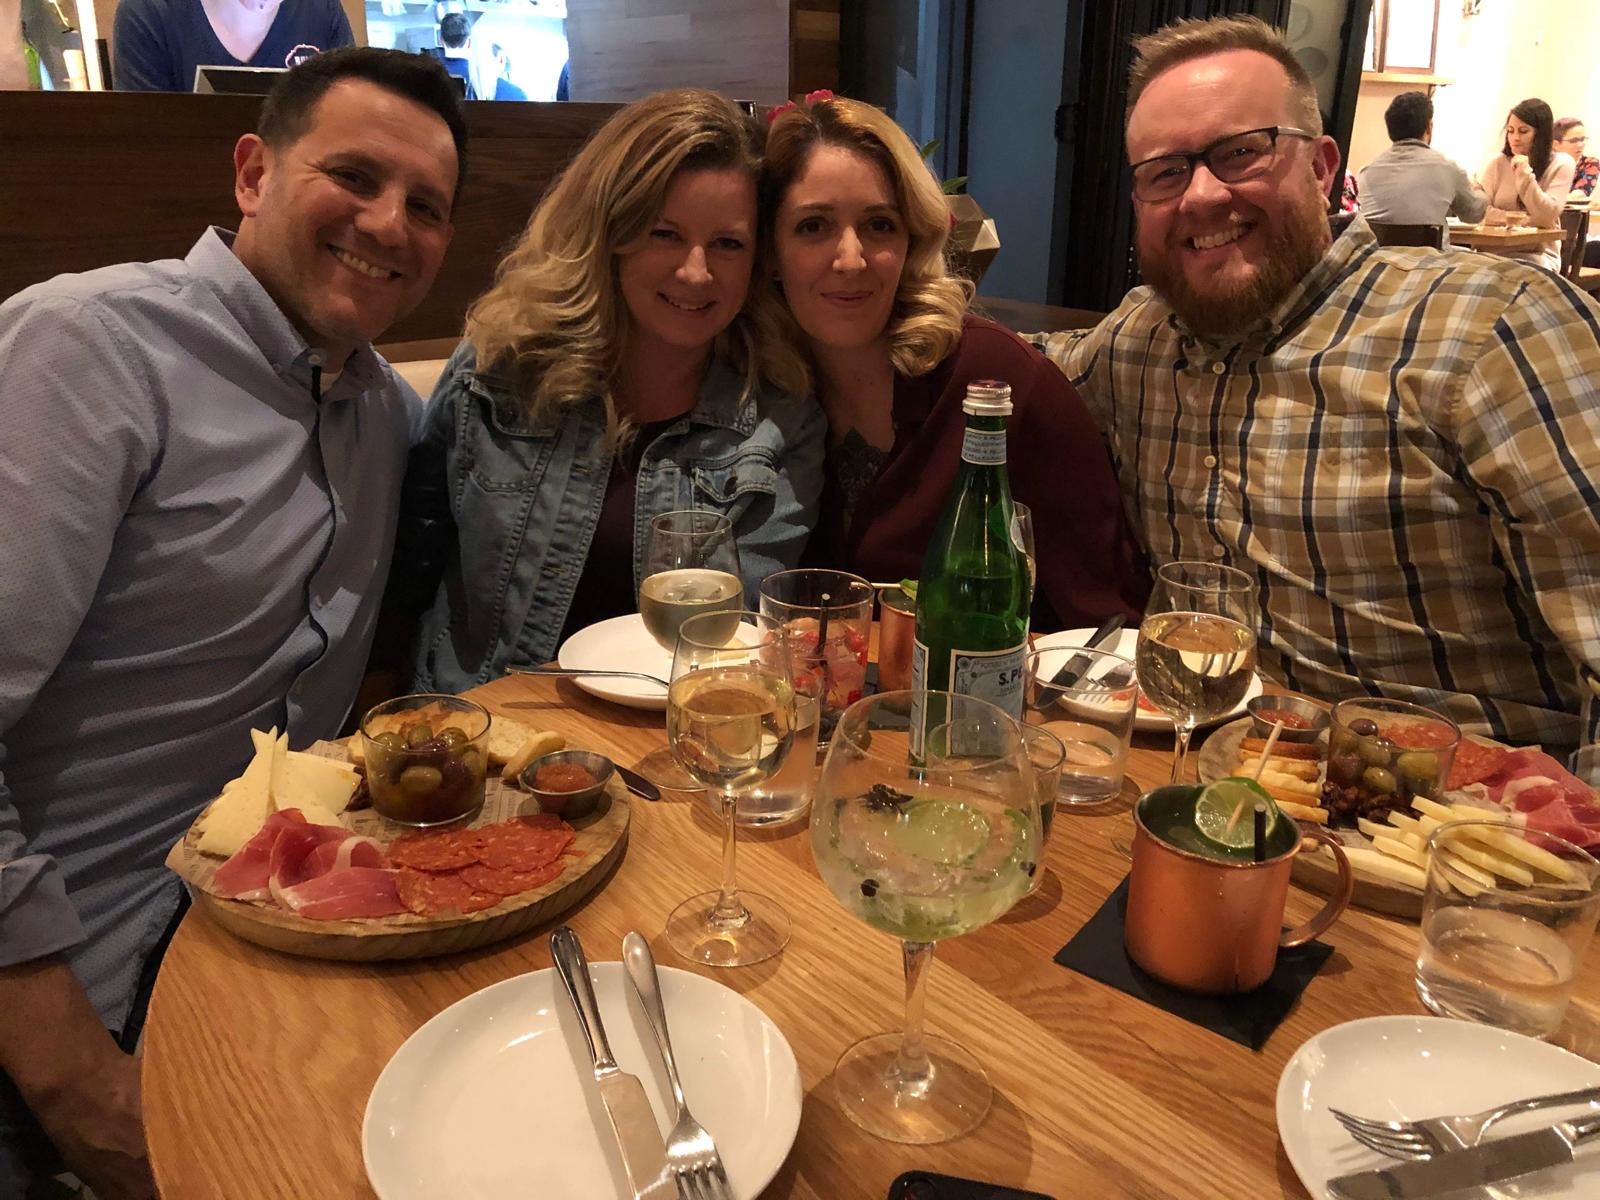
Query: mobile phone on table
924, 1185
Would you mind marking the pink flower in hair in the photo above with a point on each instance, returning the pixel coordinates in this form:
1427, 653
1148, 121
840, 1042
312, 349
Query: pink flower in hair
778, 110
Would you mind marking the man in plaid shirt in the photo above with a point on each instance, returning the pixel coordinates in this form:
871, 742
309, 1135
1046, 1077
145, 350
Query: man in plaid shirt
1402, 446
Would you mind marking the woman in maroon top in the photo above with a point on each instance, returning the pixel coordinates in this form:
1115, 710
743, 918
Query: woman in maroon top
857, 228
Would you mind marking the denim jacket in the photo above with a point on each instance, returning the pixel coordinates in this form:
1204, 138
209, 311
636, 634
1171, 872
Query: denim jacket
505, 507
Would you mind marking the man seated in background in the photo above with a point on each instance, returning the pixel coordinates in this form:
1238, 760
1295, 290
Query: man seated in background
157, 44
1402, 450
1411, 183
455, 31
200, 476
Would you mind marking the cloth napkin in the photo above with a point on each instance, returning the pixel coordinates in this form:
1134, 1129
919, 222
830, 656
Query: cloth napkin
1097, 951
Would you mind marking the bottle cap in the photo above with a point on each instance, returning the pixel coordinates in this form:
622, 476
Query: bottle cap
987, 398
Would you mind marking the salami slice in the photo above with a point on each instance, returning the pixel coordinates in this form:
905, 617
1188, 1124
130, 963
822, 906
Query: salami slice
428, 894
442, 851
510, 883
1474, 762
515, 846
544, 821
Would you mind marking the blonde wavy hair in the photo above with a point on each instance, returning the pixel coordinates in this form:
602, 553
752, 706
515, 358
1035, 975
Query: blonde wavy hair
925, 323
554, 321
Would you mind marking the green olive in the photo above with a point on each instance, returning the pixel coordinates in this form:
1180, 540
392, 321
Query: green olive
419, 781
472, 760
1418, 766
1377, 751
452, 737
390, 741
418, 733
1379, 780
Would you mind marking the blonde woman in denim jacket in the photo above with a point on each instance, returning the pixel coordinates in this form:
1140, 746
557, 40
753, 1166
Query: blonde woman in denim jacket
618, 368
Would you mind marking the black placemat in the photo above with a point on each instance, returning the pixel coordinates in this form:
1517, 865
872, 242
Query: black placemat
1097, 951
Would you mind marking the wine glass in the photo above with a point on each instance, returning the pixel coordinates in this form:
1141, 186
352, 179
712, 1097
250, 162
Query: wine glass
731, 723
923, 845
1022, 538
1197, 646
691, 565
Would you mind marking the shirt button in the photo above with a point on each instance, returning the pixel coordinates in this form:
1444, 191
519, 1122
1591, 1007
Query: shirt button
1217, 552
1219, 367
1211, 460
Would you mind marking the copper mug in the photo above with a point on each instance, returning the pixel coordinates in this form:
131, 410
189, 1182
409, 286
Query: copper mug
1214, 925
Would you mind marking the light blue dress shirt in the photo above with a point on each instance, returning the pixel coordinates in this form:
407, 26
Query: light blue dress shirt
192, 545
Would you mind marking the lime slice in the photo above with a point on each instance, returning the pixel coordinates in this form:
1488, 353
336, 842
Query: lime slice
941, 832
909, 587
1218, 815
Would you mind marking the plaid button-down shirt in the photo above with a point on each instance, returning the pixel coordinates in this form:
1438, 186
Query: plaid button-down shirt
1406, 456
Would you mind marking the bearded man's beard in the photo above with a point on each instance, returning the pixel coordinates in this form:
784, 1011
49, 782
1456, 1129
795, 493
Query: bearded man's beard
1296, 242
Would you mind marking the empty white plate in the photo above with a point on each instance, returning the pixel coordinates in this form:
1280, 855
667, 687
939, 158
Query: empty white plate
620, 644
1407, 1068
495, 1096
1145, 719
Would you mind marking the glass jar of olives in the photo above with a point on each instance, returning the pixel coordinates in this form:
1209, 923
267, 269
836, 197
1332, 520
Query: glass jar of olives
426, 757
1382, 753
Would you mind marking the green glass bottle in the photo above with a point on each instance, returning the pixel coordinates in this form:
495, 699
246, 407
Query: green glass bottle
972, 595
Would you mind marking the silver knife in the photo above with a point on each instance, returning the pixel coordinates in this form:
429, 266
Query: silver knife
644, 1153
1079, 663
1492, 1162
637, 783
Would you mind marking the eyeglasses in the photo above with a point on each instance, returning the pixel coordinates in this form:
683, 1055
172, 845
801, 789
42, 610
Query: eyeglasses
1232, 159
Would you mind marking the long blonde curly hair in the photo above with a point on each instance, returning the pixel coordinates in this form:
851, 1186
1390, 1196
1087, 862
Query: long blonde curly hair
554, 321
925, 323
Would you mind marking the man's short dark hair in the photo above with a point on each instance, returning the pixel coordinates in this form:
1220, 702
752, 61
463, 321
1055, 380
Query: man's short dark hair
1408, 116
286, 112
454, 30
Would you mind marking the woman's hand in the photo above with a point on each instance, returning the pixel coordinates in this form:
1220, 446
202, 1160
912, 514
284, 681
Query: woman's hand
1520, 170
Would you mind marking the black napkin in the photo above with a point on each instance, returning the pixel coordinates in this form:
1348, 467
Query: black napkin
1097, 951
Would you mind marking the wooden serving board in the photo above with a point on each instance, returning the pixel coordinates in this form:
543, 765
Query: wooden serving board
601, 837
1316, 872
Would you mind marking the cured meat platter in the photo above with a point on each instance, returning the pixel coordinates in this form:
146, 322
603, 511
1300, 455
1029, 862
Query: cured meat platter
556, 863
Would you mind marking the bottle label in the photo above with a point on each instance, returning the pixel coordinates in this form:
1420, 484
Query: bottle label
985, 447
992, 675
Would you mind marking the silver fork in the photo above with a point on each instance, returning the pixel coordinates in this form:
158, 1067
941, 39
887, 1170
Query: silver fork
692, 1157
1439, 1135
576, 672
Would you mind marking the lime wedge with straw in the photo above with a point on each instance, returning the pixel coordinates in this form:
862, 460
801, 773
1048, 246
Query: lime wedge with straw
1224, 813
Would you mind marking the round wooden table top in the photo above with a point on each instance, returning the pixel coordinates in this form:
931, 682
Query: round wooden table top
258, 1066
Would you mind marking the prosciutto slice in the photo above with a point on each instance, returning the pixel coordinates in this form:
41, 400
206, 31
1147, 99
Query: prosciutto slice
1554, 801
321, 872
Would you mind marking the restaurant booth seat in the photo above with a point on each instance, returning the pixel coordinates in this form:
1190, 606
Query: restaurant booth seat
1427, 236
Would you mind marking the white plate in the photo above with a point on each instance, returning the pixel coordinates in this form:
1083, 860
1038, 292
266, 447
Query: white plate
620, 644
494, 1097
1407, 1068
1127, 641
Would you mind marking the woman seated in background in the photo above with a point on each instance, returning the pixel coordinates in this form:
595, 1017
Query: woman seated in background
1530, 176
618, 368
1572, 139
857, 227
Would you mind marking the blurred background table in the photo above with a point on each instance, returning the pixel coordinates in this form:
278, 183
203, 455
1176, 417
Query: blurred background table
1503, 238
258, 1066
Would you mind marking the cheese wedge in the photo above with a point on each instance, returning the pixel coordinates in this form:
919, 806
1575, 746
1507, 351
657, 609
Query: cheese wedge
244, 804
1379, 866
325, 782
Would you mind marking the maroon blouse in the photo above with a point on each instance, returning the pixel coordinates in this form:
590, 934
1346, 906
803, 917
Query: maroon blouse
1089, 564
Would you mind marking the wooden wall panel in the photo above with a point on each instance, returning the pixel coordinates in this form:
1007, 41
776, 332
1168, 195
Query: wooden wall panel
103, 177
624, 49
814, 46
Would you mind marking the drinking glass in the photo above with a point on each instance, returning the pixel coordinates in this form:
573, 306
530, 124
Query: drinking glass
1022, 538
731, 723
897, 629
691, 565
1197, 646
827, 616
1046, 755
1088, 699
922, 847
1506, 917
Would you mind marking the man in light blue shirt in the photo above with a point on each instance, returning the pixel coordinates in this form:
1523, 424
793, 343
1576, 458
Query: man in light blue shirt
199, 477
1411, 183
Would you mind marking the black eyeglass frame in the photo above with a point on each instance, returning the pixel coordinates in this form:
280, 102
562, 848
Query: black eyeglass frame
1203, 155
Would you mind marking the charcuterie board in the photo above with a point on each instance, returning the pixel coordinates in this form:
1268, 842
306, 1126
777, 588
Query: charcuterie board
598, 843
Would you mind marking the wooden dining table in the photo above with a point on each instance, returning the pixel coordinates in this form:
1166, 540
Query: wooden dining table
258, 1065
1504, 238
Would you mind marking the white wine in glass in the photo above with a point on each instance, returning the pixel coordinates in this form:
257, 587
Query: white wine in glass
691, 566
1197, 646
730, 723
923, 847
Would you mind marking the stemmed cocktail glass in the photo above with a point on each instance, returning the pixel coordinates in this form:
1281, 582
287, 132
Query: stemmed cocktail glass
923, 847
